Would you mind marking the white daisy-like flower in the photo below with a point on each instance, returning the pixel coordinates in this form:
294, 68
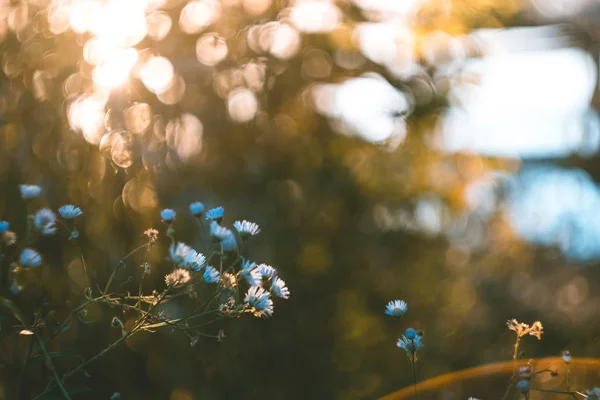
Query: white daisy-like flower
180, 253
69, 211
4, 227
211, 275
29, 192
196, 208
195, 261
396, 308
229, 243
219, 232
178, 277
30, 258
266, 270
278, 287
215, 214
246, 229
250, 273
167, 215
45, 221
260, 300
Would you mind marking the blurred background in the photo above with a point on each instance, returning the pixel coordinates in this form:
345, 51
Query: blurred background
443, 152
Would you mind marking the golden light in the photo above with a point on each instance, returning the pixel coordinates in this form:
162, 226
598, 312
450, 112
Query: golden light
115, 70
198, 15
159, 24
184, 136
157, 74
211, 49
121, 23
86, 114
242, 105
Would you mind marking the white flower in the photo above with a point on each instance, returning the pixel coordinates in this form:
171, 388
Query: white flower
219, 231
30, 191
4, 226
211, 275
69, 211
246, 229
260, 300
196, 208
228, 280
45, 221
229, 243
177, 277
194, 260
278, 287
167, 215
396, 308
250, 273
30, 258
215, 214
180, 253
267, 271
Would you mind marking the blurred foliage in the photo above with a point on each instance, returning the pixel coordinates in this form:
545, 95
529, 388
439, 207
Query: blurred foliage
240, 128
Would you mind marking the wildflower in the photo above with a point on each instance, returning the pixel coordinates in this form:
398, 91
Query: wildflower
167, 215
15, 288
216, 214
45, 221
523, 329
246, 229
566, 356
152, 235
147, 268
229, 243
194, 260
219, 232
4, 226
69, 211
267, 271
526, 371
228, 280
260, 300
178, 277
197, 208
396, 308
278, 287
9, 238
211, 275
180, 253
411, 343
30, 258
29, 192
250, 273
523, 385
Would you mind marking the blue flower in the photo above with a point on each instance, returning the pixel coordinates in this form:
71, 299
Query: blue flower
229, 243
180, 253
30, 258
246, 229
69, 211
194, 260
267, 271
260, 300
278, 287
167, 215
4, 226
197, 208
45, 221
396, 308
211, 275
215, 214
29, 192
219, 232
250, 273
411, 345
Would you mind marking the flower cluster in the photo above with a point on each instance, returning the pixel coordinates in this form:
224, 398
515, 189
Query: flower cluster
410, 341
523, 329
191, 267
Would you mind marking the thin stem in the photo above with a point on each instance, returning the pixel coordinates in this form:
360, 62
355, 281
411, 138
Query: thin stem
51, 367
414, 369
